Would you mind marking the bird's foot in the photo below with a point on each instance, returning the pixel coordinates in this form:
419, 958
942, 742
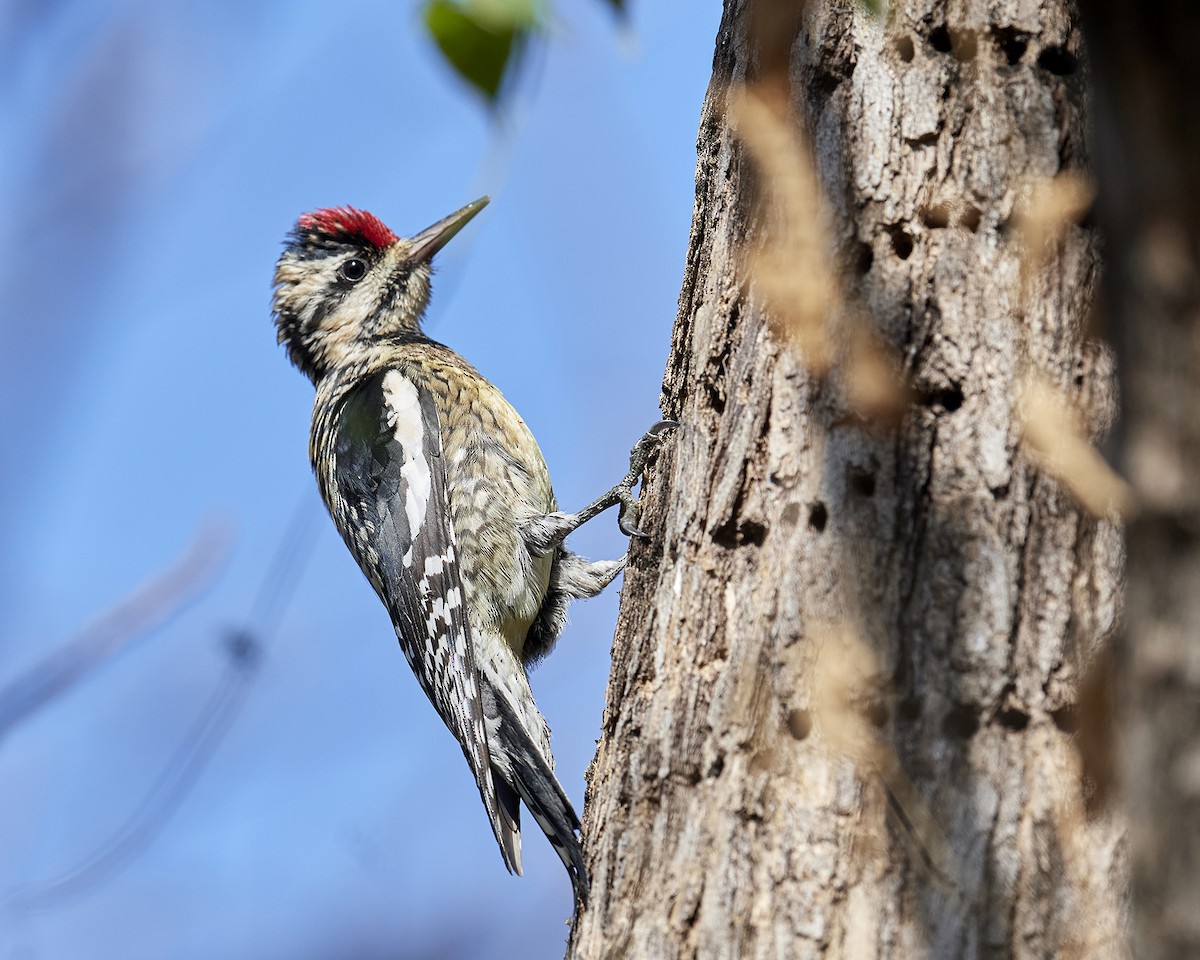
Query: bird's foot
639, 456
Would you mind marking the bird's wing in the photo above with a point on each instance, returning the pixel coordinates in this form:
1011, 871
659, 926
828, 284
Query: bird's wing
391, 472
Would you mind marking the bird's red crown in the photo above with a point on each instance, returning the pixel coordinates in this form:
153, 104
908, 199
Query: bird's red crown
348, 222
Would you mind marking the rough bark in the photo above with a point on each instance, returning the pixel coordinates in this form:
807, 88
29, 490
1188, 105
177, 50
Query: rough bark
810, 568
1148, 58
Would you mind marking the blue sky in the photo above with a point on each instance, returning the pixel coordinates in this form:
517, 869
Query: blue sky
154, 156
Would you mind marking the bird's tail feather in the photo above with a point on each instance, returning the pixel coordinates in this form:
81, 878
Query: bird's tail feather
543, 795
508, 826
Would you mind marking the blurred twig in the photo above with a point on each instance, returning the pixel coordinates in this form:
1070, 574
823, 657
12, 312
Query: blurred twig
790, 264
149, 607
1051, 427
848, 704
1054, 434
1049, 207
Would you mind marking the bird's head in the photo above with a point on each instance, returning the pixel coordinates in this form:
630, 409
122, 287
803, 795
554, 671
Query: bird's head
345, 282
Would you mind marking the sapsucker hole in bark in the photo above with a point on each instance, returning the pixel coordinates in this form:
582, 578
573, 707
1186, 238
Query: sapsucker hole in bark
964, 45
799, 724
716, 398
935, 217
961, 722
733, 534
1012, 43
862, 482
818, 515
1012, 718
939, 39
753, 533
1058, 61
904, 48
902, 243
948, 398
864, 258
970, 218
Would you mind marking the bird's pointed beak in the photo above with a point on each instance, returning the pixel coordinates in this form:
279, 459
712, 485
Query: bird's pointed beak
430, 240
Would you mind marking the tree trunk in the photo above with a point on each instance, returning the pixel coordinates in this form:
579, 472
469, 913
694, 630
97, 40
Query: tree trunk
1149, 58
841, 711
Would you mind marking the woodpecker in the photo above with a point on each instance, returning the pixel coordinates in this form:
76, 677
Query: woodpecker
442, 496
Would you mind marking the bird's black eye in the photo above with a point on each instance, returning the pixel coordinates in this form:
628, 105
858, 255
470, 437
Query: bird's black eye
353, 270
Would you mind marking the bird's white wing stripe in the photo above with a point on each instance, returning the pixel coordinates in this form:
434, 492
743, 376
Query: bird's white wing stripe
405, 418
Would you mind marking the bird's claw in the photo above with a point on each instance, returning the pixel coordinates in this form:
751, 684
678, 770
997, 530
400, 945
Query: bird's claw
629, 515
639, 456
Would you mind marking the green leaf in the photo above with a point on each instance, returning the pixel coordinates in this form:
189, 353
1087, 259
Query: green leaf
478, 40
520, 14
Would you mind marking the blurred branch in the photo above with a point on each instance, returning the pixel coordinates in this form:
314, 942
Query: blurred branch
148, 608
